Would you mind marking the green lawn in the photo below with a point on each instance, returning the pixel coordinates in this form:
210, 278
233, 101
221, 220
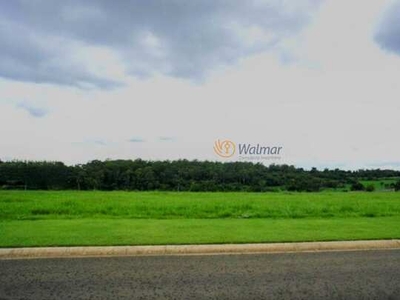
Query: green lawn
19, 205
378, 184
142, 218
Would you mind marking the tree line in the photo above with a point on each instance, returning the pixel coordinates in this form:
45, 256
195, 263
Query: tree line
180, 175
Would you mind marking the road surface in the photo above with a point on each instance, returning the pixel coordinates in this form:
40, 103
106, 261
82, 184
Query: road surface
327, 275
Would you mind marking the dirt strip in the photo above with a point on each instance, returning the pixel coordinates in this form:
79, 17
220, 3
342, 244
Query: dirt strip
110, 251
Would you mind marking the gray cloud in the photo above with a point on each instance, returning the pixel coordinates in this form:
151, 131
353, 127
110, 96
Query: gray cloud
33, 57
177, 38
34, 111
90, 141
386, 164
136, 140
167, 138
100, 142
388, 31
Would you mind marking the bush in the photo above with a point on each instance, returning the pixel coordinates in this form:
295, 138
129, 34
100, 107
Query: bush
397, 186
357, 186
370, 188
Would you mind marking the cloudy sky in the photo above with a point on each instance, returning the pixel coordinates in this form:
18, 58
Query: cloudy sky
164, 79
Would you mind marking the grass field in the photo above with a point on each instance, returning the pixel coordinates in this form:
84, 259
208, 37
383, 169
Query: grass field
379, 184
133, 218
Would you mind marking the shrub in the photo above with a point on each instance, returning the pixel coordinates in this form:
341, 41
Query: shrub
357, 186
397, 186
370, 188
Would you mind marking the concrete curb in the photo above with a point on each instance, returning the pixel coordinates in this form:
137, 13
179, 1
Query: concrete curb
112, 251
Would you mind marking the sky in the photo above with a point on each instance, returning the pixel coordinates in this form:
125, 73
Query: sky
158, 79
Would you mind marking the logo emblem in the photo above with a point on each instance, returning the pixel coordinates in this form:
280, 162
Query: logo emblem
224, 148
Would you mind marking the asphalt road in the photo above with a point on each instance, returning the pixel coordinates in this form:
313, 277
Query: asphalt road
329, 275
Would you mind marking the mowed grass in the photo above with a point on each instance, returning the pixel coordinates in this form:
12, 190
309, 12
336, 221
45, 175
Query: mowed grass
71, 218
95, 232
19, 205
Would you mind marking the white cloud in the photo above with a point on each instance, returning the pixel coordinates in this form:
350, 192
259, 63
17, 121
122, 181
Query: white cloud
335, 104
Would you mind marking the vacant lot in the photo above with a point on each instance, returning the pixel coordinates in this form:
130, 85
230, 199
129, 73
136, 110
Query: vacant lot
120, 218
